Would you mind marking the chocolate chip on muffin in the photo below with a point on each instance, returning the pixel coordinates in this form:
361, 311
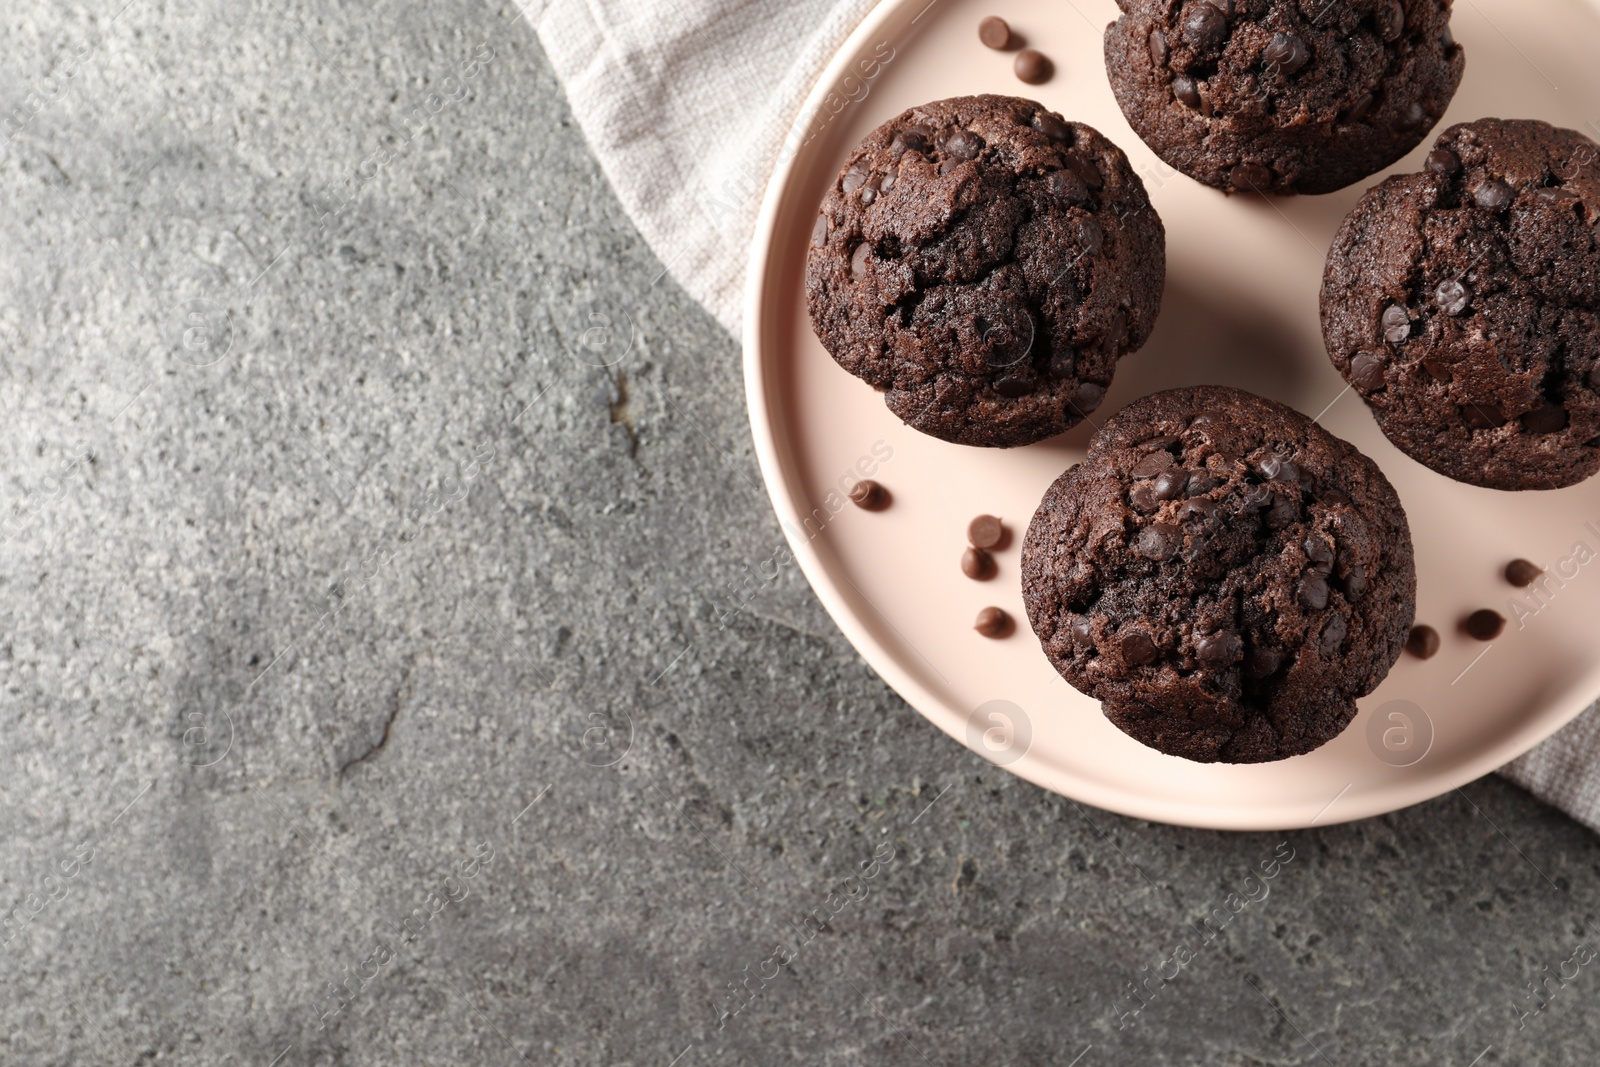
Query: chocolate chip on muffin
1463, 304
1239, 618
985, 263
1282, 96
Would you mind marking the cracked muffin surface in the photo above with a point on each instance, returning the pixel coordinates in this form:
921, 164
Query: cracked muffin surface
1463, 304
1282, 96
1223, 574
985, 263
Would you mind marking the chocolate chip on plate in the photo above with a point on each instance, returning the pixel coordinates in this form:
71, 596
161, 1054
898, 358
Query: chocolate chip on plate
1033, 66
985, 532
977, 564
992, 622
870, 495
1521, 572
1423, 641
1485, 624
995, 33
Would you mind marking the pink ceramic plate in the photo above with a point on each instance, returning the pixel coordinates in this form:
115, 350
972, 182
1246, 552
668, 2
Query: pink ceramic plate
1240, 309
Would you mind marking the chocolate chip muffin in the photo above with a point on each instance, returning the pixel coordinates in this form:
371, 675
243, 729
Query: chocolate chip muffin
1223, 574
1282, 96
1463, 303
985, 263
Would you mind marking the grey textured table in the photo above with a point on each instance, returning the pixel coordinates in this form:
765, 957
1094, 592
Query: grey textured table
383, 683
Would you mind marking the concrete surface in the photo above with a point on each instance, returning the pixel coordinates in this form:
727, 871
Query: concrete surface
365, 699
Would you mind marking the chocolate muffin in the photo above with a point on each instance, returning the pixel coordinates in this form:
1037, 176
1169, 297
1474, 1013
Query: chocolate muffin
1223, 574
1463, 303
1282, 96
985, 263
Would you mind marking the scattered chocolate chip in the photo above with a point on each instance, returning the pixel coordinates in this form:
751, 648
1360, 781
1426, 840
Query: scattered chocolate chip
1557, 196
1262, 662
911, 139
1492, 194
1137, 648
1439, 372
1355, 583
1594, 377
1082, 631
870, 495
1521, 573
1413, 117
1143, 497
1320, 553
1067, 185
1423, 641
1485, 624
1223, 647
1200, 483
819, 231
1278, 469
1091, 235
1251, 178
1549, 417
1452, 297
1201, 508
1152, 464
1314, 591
1159, 541
1283, 512
855, 176
1391, 20
1206, 27
1013, 387
995, 33
992, 622
1184, 88
963, 144
1087, 171
1360, 109
1333, 634
1169, 484
1396, 324
860, 259
1087, 397
977, 564
1444, 162
986, 532
1335, 495
1366, 371
1224, 6
1482, 416
1052, 127
1160, 51
1286, 52
1447, 40
869, 193
1033, 67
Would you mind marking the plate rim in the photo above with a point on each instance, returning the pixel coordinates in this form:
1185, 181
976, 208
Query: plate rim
785, 503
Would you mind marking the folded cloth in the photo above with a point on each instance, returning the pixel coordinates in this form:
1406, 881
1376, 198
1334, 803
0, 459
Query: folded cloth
688, 105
